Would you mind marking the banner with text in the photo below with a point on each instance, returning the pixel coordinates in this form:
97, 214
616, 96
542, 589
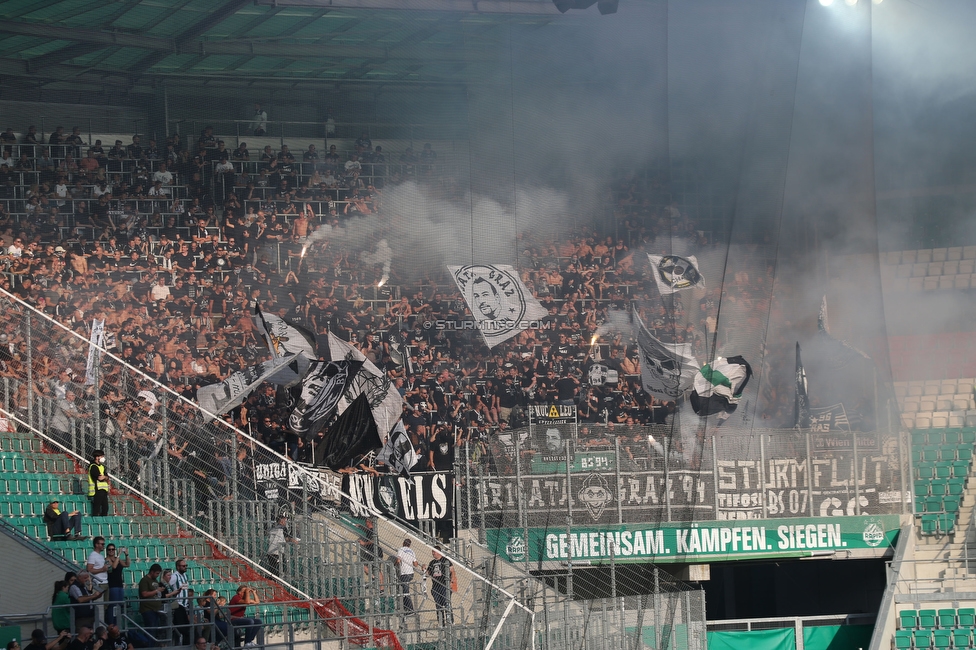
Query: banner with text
726, 489
428, 495
699, 542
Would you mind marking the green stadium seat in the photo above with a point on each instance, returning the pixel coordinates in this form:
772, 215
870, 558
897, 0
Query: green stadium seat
926, 619
907, 619
952, 436
947, 618
964, 453
903, 639
950, 504
922, 638
942, 638
968, 436
918, 438
938, 487
956, 486
925, 471
930, 453
932, 504
967, 617
962, 637
922, 488
943, 469
960, 468
946, 523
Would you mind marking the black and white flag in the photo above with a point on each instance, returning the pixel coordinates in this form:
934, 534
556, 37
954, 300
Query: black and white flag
95, 345
667, 369
801, 406
318, 398
284, 337
673, 273
500, 303
385, 400
830, 419
398, 453
219, 398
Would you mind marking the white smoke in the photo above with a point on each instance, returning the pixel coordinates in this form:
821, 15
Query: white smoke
382, 255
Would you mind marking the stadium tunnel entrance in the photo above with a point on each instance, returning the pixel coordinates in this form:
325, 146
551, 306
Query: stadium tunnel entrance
736, 590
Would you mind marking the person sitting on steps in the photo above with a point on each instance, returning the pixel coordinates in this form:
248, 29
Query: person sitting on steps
61, 523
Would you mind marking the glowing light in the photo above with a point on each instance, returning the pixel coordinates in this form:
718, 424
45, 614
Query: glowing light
826, 3
304, 250
593, 339
382, 281
850, 3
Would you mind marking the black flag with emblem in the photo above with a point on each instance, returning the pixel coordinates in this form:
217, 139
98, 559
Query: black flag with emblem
352, 436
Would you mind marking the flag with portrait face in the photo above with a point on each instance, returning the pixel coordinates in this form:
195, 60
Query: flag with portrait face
499, 301
318, 398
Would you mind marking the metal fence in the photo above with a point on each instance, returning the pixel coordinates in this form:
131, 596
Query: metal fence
80, 398
202, 470
631, 475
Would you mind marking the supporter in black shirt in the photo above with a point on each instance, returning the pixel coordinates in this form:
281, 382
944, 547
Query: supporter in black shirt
442, 448
39, 641
85, 640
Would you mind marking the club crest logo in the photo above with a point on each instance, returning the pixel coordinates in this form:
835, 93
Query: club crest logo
516, 548
387, 495
595, 495
874, 533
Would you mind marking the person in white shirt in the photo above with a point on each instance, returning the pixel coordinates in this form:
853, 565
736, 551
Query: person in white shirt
260, 121
163, 175
180, 609
61, 191
159, 291
158, 190
16, 249
98, 568
406, 560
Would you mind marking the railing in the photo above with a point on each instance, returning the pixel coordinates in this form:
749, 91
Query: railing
521, 478
325, 130
160, 446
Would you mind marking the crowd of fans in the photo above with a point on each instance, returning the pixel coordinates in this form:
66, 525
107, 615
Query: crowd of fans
92, 602
174, 246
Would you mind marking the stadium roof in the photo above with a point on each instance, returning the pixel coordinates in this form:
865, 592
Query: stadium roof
128, 42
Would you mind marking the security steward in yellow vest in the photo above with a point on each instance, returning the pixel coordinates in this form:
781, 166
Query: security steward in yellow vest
98, 485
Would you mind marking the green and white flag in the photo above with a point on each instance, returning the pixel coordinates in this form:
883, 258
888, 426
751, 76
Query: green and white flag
719, 385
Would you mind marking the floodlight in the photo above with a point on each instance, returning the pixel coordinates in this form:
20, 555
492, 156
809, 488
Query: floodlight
826, 3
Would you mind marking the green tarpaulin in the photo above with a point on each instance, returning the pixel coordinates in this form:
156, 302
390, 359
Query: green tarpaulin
780, 639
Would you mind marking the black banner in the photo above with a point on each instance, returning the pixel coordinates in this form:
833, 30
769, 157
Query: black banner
419, 496
273, 479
